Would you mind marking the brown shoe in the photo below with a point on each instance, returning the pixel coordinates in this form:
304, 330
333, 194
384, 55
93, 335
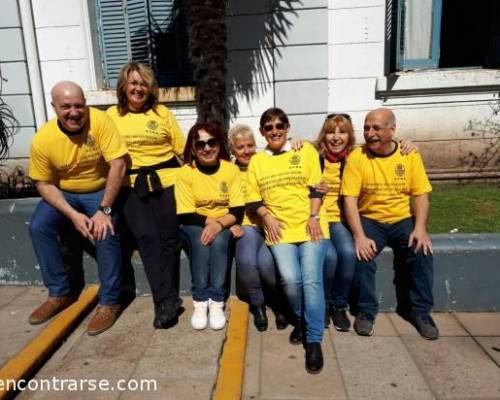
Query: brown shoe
103, 319
49, 308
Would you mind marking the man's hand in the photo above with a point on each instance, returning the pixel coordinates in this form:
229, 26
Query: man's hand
313, 229
100, 224
83, 224
421, 240
210, 232
366, 249
273, 228
237, 231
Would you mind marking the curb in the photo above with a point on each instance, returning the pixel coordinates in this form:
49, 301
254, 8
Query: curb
232, 364
36, 351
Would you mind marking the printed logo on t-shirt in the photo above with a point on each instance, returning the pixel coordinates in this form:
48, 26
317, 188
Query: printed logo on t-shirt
223, 187
90, 141
295, 159
152, 124
399, 170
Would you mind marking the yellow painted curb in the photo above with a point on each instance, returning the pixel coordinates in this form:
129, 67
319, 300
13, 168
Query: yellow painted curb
232, 364
34, 353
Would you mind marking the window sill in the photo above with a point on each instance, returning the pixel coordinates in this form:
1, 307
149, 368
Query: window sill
438, 82
176, 96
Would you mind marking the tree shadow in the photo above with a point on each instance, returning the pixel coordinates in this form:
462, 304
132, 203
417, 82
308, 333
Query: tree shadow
269, 32
489, 130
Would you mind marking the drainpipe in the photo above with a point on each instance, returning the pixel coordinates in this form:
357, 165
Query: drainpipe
33, 62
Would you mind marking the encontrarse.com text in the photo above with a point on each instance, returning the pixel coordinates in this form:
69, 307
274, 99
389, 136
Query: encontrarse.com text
79, 385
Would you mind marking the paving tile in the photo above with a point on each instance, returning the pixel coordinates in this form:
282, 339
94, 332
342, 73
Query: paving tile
446, 322
283, 374
9, 293
379, 368
34, 296
492, 346
383, 327
481, 324
18, 332
175, 389
455, 367
251, 380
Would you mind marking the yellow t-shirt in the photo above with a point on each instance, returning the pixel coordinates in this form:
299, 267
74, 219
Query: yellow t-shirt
331, 175
248, 219
209, 195
151, 137
76, 163
282, 183
384, 185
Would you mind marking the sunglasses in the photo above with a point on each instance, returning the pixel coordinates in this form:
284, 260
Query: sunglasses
269, 127
200, 144
343, 115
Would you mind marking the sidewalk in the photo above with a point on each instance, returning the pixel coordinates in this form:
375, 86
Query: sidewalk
393, 364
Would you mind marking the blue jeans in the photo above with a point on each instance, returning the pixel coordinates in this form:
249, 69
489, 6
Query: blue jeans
413, 273
340, 261
44, 229
254, 266
301, 269
209, 264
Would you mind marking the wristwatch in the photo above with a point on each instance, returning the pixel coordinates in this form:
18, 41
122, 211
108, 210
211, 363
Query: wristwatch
107, 210
315, 216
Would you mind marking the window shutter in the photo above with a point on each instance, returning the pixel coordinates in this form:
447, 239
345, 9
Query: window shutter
138, 20
114, 38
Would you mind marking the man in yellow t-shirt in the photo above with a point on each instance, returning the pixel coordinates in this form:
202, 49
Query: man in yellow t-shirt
377, 185
77, 161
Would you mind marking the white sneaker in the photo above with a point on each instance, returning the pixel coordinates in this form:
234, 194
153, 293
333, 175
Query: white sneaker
216, 315
199, 318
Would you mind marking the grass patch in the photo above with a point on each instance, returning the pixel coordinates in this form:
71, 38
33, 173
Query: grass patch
468, 207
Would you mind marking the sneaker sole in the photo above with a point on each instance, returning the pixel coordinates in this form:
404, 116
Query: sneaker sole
366, 334
340, 329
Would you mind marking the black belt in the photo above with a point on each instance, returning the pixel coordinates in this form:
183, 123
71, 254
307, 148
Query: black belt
149, 173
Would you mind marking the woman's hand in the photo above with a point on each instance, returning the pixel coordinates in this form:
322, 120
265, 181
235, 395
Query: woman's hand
322, 187
237, 231
407, 147
297, 143
313, 229
210, 232
272, 227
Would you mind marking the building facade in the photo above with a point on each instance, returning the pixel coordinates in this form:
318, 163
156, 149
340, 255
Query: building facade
434, 62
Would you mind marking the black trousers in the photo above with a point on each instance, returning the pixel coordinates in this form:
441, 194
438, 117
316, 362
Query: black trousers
155, 228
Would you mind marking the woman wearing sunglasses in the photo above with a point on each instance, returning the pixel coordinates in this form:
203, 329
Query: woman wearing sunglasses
210, 200
256, 274
335, 141
154, 139
281, 191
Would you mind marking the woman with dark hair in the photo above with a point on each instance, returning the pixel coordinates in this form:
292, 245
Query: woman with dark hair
209, 201
154, 140
281, 190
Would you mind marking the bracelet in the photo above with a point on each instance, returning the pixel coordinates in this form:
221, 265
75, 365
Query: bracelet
221, 224
315, 216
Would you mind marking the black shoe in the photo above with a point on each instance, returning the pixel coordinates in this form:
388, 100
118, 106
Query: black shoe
167, 313
297, 334
363, 325
340, 320
425, 325
259, 317
314, 358
281, 321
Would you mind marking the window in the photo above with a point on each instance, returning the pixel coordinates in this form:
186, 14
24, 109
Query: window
446, 34
150, 31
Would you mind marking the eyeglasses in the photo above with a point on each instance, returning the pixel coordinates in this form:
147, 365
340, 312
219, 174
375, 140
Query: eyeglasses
269, 127
343, 115
200, 144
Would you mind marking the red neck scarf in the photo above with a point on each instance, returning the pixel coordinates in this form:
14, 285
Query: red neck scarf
334, 158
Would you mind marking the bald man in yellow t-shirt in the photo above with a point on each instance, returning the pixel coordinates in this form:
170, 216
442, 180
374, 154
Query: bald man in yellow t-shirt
77, 161
377, 185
